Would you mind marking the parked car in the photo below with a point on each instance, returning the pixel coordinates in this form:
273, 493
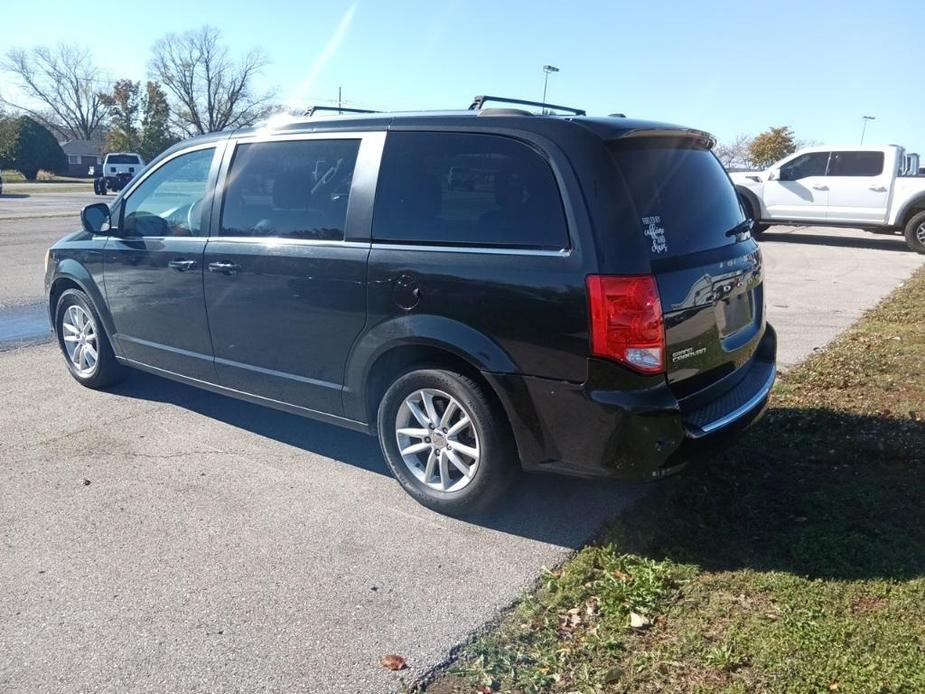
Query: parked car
874, 188
117, 170
600, 312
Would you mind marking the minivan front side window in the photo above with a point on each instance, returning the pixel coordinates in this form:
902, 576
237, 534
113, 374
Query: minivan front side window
169, 201
296, 189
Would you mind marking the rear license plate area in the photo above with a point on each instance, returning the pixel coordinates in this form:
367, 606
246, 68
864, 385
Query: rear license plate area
735, 313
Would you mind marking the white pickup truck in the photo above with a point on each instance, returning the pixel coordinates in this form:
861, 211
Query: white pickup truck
874, 188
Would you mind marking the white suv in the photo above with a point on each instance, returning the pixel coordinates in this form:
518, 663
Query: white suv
873, 188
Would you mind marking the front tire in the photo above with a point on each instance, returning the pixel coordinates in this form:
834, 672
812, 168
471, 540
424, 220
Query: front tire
83, 342
915, 233
446, 441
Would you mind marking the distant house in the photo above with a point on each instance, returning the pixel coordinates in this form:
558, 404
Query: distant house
81, 155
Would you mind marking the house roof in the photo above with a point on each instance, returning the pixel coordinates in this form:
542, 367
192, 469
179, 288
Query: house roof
84, 148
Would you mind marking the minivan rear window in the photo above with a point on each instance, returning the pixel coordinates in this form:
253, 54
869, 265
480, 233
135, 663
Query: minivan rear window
684, 200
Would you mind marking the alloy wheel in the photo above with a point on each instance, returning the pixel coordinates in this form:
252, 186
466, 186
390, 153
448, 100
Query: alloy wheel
80, 339
438, 440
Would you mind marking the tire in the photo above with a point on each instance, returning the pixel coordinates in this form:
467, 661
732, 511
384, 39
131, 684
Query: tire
449, 491
96, 187
757, 229
73, 307
915, 232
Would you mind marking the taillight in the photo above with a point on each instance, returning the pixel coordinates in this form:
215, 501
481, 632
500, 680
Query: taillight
626, 321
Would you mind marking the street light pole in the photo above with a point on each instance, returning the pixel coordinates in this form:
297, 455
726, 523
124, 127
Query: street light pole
547, 69
864, 120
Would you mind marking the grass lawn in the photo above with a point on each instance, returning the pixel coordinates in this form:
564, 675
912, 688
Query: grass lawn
13, 176
795, 562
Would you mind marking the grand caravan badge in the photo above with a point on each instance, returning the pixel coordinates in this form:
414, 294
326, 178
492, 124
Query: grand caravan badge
688, 353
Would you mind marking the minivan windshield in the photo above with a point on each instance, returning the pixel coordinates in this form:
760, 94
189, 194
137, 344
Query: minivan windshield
684, 200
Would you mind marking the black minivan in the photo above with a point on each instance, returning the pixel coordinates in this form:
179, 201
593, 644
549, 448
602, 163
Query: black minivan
589, 302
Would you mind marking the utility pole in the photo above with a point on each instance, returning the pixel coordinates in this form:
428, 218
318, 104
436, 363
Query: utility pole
547, 69
339, 106
864, 120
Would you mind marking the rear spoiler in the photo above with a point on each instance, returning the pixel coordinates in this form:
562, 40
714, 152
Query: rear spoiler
699, 137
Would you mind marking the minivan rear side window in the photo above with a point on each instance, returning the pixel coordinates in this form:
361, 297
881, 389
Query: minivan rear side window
295, 189
683, 198
467, 190
856, 164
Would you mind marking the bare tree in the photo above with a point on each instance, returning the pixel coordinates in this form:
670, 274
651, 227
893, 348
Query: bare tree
735, 154
211, 91
66, 82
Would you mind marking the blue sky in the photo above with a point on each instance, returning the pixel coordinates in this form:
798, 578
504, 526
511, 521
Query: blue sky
727, 67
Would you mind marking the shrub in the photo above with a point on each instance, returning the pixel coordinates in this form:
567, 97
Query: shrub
28, 146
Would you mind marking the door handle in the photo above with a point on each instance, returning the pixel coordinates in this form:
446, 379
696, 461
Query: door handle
820, 187
182, 265
224, 267
878, 189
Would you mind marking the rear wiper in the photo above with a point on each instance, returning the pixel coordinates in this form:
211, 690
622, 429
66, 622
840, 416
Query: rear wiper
741, 227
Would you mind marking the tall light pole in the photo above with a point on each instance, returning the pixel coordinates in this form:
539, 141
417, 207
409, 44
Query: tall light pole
547, 69
864, 120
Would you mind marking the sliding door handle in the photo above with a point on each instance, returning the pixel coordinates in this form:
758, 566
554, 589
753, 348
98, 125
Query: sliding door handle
182, 265
224, 267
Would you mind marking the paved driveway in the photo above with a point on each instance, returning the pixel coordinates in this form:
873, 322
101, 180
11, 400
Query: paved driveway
162, 538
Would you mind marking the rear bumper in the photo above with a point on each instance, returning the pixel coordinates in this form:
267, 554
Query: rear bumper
619, 424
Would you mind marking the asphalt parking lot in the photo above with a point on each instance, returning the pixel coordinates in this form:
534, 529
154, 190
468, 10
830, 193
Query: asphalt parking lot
162, 538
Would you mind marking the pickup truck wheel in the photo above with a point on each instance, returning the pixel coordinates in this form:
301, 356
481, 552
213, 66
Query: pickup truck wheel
757, 229
445, 441
915, 233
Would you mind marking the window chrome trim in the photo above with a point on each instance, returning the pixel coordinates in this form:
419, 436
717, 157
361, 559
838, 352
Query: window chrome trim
484, 250
284, 241
263, 136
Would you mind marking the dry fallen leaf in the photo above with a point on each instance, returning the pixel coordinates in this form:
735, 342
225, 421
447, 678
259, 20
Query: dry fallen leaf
393, 662
638, 621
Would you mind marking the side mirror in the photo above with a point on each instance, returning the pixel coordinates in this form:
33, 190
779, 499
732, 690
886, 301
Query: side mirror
95, 218
774, 175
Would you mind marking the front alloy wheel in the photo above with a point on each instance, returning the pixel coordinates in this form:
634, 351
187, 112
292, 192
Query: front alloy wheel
80, 340
87, 352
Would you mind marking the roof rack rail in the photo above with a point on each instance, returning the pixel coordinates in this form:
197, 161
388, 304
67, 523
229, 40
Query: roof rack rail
311, 110
479, 102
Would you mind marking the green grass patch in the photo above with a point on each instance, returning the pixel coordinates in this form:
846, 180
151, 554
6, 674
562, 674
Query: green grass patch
13, 176
794, 562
